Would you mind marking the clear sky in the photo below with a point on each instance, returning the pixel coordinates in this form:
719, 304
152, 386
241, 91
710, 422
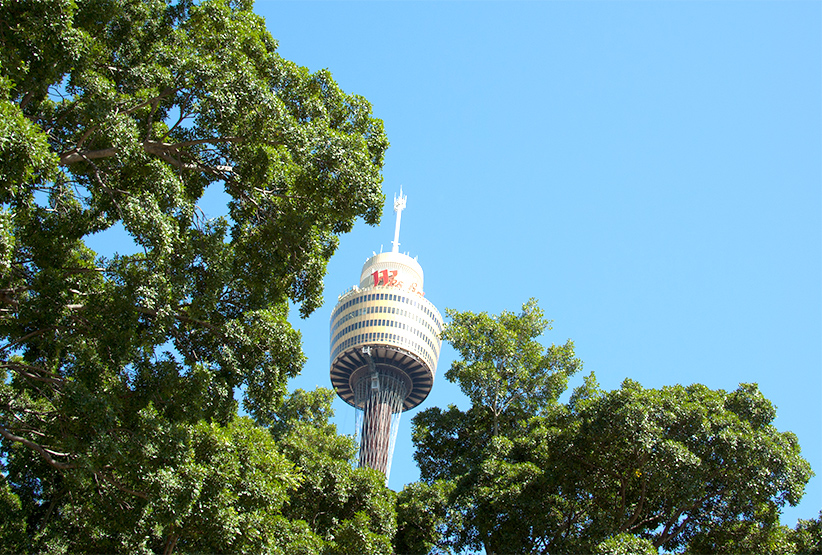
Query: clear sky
649, 171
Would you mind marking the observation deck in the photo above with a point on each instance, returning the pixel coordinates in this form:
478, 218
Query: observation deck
396, 321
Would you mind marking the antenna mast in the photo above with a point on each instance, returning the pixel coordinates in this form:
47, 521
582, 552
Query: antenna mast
399, 206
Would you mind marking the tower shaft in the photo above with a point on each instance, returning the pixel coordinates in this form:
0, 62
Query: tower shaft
376, 434
380, 394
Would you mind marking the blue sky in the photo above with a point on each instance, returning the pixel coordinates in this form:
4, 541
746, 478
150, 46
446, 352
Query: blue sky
649, 171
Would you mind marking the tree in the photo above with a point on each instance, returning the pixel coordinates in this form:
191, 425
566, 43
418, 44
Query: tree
424, 518
630, 470
504, 369
676, 464
115, 371
12, 520
509, 378
210, 488
808, 536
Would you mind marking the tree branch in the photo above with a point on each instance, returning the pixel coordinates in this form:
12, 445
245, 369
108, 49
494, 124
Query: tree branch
152, 100
180, 316
665, 535
165, 150
630, 522
26, 338
72, 156
161, 150
26, 99
42, 451
171, 543
75, 155
83, 270
121, 487
21, 368
213, 140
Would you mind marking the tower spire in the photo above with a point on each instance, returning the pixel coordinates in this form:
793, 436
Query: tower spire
399, 206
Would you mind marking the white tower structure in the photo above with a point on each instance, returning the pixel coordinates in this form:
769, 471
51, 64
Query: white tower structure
384, 347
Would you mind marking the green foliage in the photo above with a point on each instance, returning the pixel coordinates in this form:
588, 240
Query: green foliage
12, 520
424, 517
204, 488
626, 544
118, 374
633, 470
808, 536
504, 370
509, 378
354, 535
678, 462
754, 537
347, 510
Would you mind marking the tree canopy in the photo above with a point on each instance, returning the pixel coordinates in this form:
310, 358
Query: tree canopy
118, 374
510, 378
625, 471
675, 463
